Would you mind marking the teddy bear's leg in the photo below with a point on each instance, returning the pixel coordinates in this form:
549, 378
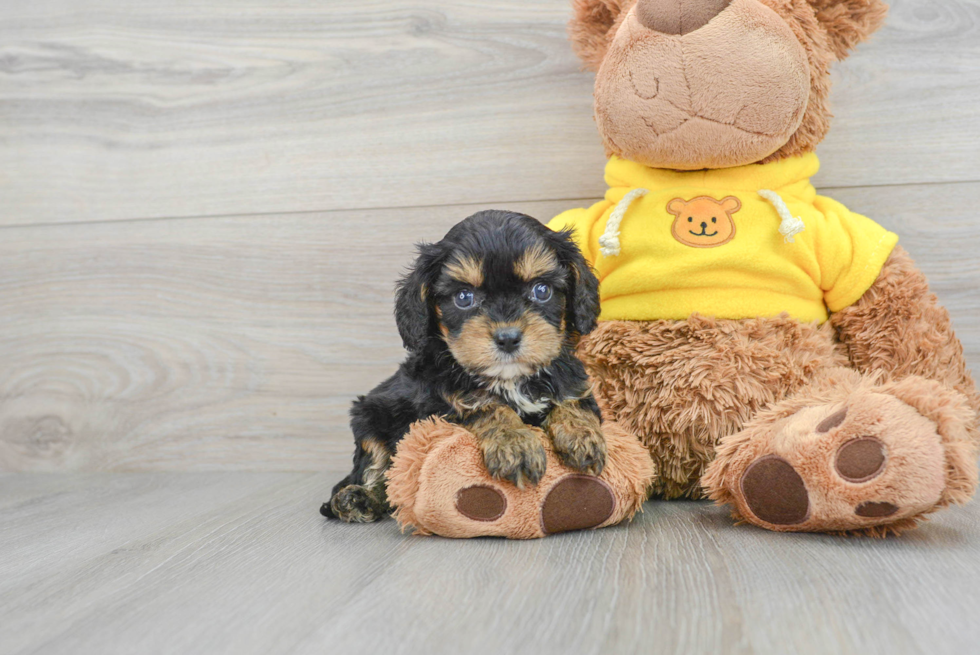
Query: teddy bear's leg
849, 453
438, 484
680, 386
897, 329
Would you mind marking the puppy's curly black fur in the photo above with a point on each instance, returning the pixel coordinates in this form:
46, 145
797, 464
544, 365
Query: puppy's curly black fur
490, 316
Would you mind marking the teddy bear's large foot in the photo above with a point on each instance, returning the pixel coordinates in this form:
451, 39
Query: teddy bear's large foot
439, 485
850, 456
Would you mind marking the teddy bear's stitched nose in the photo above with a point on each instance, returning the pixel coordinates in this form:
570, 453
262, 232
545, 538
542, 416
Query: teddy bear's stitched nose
678, 16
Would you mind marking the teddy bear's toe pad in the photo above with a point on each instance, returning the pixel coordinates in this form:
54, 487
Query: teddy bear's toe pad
775, 492
871, 509
577, 502
481, 503
860, 460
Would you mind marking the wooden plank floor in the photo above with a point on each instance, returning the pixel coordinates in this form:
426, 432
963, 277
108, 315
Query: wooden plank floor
242, 563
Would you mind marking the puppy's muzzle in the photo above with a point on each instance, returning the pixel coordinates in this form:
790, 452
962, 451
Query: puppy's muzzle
508, 339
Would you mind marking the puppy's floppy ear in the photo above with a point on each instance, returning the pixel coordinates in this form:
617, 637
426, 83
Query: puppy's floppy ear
582, 310
848, 22
413, 300
592, 28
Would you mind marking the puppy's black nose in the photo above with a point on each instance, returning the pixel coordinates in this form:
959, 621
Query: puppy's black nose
508, 339
704, 226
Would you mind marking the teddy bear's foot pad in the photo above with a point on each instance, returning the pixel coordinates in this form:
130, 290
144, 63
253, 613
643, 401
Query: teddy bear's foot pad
860, 460
871, 509
481, 503
775, 492
577, 502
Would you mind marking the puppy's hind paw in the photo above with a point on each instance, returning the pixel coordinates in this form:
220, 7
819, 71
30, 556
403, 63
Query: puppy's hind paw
515, 455
356, 504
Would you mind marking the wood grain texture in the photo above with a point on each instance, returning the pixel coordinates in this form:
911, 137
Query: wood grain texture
120, 110
242, 563
199, 344
239, 342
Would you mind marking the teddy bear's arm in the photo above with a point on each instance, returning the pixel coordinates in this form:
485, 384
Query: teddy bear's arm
898, 327
582, 221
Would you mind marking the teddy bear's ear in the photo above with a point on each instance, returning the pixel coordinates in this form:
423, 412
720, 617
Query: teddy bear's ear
592, 28
849, 22
731, 204
676, 206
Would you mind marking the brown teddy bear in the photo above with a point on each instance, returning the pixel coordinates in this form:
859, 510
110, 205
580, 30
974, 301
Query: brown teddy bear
774, 350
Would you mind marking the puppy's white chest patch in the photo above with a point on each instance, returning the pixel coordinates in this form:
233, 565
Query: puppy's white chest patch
512, 393
524, 404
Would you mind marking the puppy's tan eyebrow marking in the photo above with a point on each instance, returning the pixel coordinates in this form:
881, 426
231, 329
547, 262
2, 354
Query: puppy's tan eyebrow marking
535, 262
467, 270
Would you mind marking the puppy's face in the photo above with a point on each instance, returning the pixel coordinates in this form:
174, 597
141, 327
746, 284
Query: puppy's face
502, 311
502, 291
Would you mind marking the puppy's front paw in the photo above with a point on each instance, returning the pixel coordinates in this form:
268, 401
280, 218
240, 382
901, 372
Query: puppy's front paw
357, 504
578, 440
514, 454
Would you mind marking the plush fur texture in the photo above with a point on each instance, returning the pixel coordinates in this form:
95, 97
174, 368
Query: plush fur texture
593, 26
490, 316
681, 386
899, 329
438, 459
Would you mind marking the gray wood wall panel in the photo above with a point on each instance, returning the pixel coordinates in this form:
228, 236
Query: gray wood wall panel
239, 342
205, 206
119, 110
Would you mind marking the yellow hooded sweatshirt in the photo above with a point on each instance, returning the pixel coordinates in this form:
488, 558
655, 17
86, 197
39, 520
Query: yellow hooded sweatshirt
735, 243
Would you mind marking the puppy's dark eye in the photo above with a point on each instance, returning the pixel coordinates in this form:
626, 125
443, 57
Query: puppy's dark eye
464, 298
541, 292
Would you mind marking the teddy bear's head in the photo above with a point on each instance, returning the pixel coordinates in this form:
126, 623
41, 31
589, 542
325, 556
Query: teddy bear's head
693, 84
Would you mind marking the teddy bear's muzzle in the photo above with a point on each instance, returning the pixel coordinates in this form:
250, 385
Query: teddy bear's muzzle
692, 84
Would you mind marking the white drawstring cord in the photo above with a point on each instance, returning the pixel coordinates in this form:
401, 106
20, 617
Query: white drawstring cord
790, 225
609, 245
609, 241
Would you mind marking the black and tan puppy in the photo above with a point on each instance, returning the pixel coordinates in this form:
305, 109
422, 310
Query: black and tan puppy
490, 316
